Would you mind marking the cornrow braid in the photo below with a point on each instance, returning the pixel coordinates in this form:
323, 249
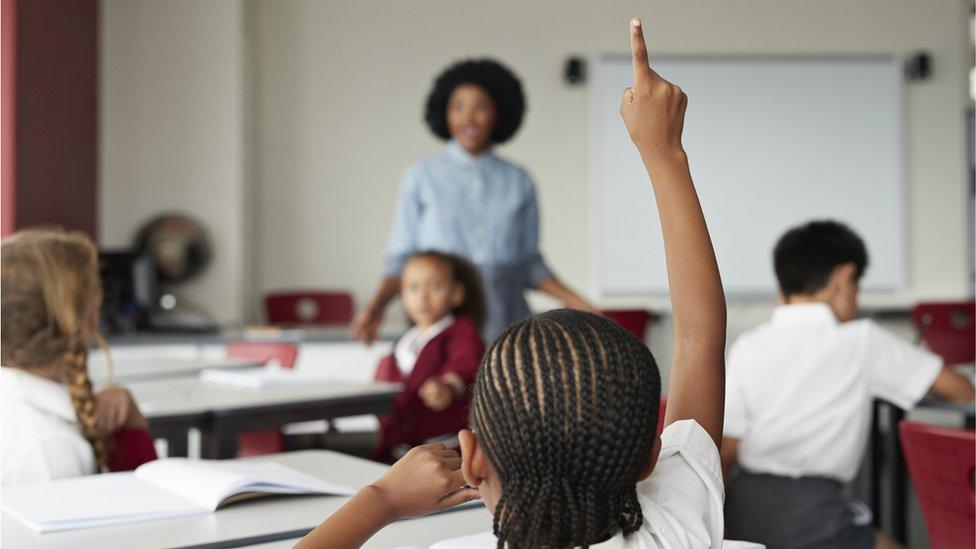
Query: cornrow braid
83, 400
566, 406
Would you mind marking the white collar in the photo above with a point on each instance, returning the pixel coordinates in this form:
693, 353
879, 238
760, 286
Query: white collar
804, 313
37, 391
418, 338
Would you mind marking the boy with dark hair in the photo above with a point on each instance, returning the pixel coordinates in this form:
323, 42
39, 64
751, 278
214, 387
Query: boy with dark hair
799, 391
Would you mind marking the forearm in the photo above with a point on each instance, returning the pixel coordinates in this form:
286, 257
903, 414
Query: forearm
388, 289
353, 524
952, 386
554, 287
697, 298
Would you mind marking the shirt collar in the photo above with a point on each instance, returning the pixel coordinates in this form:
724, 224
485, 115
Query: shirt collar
806, 313
37, 391
457, 153
418, 339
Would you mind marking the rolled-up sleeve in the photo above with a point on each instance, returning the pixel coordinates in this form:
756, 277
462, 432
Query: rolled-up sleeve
403, 233
535, 266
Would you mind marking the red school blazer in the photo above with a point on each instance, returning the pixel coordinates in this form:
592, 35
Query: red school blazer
457, 349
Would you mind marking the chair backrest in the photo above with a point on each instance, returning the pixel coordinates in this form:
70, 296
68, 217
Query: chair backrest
285, 353
941, 462
633, 320
316, 308
948, 328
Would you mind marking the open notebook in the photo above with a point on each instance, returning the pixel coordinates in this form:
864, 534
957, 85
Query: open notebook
160, 489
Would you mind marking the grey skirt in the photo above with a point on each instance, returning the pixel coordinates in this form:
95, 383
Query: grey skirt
788, 513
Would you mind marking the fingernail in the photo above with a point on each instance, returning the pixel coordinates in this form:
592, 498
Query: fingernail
635, 22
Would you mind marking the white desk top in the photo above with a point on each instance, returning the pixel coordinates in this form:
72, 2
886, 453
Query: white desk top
261, 517
147, 369
188, 395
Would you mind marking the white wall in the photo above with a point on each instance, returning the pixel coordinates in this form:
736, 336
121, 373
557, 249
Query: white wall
171, 119
332, 116
340, 86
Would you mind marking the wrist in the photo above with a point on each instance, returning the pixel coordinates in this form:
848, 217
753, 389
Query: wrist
378, 500
673, 155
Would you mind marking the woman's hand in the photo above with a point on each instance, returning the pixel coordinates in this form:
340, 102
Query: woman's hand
366, 324
116, 409
427, 479
436, 394
653, 109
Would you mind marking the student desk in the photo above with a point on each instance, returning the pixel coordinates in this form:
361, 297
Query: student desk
147, 369
173, 406
257, 521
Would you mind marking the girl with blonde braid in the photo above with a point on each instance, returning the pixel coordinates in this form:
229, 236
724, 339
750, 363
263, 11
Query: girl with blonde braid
52, 424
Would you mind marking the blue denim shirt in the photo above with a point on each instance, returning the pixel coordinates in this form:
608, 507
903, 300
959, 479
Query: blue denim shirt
482, 208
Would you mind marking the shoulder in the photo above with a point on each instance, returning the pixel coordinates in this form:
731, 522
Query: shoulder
422, 169
683, 498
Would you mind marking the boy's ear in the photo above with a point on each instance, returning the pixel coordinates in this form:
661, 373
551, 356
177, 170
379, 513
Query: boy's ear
474, 463
842, 275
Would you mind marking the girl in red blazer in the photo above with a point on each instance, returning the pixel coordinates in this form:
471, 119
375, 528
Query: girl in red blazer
437, 358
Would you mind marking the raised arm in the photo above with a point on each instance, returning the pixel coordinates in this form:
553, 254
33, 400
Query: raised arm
654, 111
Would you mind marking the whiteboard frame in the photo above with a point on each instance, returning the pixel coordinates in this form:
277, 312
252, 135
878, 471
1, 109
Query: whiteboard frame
596, 69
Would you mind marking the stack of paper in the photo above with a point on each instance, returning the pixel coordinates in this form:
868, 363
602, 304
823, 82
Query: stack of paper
259, 378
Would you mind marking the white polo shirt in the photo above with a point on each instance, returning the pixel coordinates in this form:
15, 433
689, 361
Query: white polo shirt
799, 390
681, 501
40, 438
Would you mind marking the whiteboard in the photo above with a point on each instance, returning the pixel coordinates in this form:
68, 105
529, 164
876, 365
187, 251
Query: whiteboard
773, 143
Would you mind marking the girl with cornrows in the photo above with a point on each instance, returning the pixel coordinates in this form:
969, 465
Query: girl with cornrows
53, 425
562, 446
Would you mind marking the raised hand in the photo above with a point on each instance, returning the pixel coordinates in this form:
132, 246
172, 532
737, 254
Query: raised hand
653, 108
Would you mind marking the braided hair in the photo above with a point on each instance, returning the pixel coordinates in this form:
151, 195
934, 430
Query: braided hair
50, 293
566, 404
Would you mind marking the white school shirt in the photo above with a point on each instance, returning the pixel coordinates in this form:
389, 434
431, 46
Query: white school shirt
681, 501
799, 390
40, 438
408, 347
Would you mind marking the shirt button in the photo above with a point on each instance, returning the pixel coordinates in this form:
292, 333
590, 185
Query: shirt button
478, 257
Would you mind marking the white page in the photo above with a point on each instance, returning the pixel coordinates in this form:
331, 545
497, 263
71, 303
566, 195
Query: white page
209, 482
95, 500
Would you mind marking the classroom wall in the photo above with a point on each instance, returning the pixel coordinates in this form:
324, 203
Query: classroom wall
172, 131
339, 88
286, 125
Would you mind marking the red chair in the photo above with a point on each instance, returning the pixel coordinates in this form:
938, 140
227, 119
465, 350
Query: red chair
267, 441
941, 463
634, 321
317, 308
948, 329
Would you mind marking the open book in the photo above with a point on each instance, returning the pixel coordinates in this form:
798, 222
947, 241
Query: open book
165, 488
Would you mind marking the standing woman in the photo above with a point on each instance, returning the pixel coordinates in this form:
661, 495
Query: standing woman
467, 201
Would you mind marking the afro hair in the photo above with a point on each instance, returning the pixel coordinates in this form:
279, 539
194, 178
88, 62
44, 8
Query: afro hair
500, 83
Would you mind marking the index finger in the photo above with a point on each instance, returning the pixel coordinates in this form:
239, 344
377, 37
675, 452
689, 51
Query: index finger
638, 53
